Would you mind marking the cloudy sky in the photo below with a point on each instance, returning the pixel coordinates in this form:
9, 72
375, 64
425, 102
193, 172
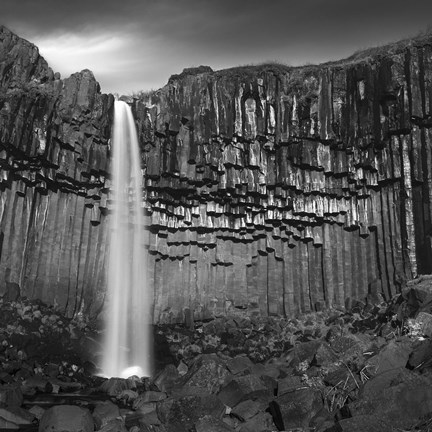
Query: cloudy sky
133, 45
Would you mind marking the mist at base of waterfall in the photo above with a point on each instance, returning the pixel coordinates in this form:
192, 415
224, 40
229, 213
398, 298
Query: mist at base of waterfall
127, 343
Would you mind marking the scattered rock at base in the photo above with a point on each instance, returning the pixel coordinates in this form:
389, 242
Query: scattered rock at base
66, 418
242, 388
246, 409
37, 411
398, 397
296, 409
212, 424
11, 395
37, 383
115, 386
8, 425
114, 425
179, 414
207, 371
167, 378
363, 423
421, 355
424, 323
392, 356
262, 422
17, 415
148, 396
104, 412
304, 352
239, 364
363, 371
289, 384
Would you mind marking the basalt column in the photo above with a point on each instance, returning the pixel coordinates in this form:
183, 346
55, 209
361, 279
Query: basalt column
282, 190
53, 181
272, 189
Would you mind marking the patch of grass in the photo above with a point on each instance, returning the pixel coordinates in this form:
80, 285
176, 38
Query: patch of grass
251, 70
195, 70
386, 50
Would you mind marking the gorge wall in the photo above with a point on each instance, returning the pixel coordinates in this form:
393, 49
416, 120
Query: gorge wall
272, 189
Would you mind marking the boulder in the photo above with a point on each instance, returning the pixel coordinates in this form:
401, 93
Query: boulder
11, 395
242, 388
418, 296
147, 397
63, 385
150, 420
394, 355
16, 415
342, 378
145, 408
398, 397
421, 355
239, 364
104, 412
182, 368
341, 344
114, 425
363, 423
8, 425
379, 383
269, 370
212, 424
37, 383
325, 356
115, 386
207, 371
180, 412
246, 409
262, 422
289, 384
214, 327
423, 322
66, 418
6, 378
37, 411
167, 378
127, 396
271, 384
304, 352
296, 409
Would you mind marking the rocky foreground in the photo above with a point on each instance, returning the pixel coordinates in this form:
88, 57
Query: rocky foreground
366, 369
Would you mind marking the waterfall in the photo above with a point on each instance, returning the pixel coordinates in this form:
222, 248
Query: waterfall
127, 340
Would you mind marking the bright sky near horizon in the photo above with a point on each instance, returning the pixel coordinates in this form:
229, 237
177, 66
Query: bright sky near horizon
133, 45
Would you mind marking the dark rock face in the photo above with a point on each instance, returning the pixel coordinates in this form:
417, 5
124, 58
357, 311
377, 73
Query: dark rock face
273, 189
53, 157
289, 189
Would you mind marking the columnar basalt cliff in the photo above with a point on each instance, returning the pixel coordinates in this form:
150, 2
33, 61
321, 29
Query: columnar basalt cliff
284, 189
53, 190
272, 189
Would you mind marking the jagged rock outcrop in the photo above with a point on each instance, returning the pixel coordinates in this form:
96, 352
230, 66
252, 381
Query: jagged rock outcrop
53, 190
274, 189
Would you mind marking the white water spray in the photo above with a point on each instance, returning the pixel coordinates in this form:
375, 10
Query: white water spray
127, 344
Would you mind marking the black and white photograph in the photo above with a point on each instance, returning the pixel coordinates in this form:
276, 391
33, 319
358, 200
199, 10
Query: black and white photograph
215, 216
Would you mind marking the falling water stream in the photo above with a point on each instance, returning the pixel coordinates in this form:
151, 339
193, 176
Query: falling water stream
127, 341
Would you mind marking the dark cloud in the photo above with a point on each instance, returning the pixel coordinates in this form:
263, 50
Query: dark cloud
135, 44
54, 16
